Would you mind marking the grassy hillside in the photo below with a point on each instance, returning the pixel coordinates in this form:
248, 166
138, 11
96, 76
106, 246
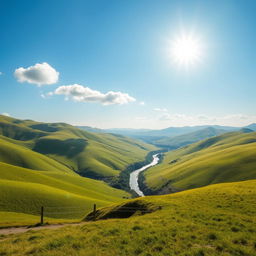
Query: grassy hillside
24, 157
40, 165
189, 138
214, 220
65, 195
225, 158
89, 154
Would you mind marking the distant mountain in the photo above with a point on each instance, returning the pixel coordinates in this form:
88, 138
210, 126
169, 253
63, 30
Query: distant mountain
251, 126
173, 137
246, 130
128, 131
150, 136
175, 131
189, 138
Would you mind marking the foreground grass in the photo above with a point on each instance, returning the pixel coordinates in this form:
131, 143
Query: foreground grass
14, 219
214, 220
63, 195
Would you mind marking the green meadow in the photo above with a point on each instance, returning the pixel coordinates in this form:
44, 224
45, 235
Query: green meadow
214, 220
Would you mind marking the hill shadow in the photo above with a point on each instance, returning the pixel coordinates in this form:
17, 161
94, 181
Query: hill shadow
69, 147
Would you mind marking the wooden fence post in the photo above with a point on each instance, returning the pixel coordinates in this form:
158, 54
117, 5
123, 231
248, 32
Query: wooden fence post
94, 212
42, 215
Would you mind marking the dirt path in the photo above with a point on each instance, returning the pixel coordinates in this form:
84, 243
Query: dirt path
9, 231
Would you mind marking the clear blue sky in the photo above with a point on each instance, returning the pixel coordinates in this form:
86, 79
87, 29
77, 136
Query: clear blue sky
121, 46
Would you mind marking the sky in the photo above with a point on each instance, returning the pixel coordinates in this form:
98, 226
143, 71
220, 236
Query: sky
110, 64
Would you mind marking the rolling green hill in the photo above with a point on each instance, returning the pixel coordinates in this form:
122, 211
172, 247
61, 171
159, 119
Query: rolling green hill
18, 155
41, 165
89, 154
225, 158
214, 220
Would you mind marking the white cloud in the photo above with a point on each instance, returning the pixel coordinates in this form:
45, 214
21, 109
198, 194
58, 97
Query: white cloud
5, 114
81, 93
203, 117
142, 103
39, 74
183, 119
165, 117
160, 109
141, 118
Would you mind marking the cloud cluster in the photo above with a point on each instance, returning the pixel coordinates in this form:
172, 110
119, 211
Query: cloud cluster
39, 74
160, 109
163, 120
43, 74
5, 114
183, 119
81, 93
165, 117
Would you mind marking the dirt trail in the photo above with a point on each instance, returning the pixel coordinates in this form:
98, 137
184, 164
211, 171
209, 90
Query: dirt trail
9, 231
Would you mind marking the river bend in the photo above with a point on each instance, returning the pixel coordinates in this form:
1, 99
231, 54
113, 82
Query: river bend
134, 185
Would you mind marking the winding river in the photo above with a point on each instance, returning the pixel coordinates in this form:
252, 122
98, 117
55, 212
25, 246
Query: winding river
134, 185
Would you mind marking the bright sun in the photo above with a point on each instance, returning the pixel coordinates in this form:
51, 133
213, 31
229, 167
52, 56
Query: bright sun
186, 50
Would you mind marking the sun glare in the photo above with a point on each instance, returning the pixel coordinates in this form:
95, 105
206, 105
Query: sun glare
186, 50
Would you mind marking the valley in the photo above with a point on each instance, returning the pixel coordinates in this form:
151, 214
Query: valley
133, 182
68, 170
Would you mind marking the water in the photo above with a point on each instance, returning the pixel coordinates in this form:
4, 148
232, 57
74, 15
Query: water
135, 174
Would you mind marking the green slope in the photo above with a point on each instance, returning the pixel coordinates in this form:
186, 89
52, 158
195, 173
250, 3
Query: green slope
24, 157
225, 158
214, 220
90, 154
25, 191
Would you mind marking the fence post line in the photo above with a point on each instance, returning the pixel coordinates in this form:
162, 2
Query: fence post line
42, 215
94, 212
